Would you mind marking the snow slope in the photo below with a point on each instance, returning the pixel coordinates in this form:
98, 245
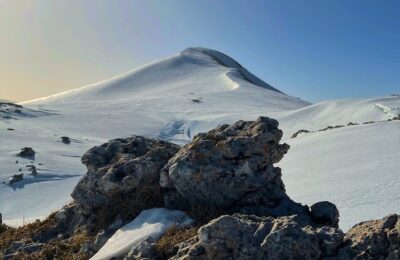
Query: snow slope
149, 223
356, 168
173, 99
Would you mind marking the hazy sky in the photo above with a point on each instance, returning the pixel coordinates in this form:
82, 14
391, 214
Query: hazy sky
311, 49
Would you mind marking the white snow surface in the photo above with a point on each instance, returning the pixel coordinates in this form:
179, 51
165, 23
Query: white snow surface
191, 92
149, 223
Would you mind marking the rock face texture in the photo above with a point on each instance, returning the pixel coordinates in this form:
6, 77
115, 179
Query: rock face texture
229, 167
376, 239
118, 168
250, 237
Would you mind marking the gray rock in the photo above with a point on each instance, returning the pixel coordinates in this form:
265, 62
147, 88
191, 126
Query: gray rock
143, 251
325, 213
250, 237
376, 239
230, 167
119, 168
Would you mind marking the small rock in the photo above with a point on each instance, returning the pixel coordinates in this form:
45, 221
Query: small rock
32, 168
27, 152
16, 178
143, 251
325, 213
65, 139
369, 122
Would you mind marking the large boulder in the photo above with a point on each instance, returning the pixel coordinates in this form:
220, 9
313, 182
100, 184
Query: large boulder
250, 237
376, 239
230, 167
120, 168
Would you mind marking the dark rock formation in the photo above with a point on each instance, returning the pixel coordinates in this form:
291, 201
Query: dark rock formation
27, 152
231, 168
65, 139
325, 213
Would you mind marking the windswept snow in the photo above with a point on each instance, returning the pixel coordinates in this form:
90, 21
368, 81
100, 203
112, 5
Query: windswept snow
356, 168
149, 223
174, 99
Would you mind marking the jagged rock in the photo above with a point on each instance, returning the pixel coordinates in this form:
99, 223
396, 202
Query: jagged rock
27, 152
230, 167
118, 168
376, 239
325, 213
250, 237
65, 139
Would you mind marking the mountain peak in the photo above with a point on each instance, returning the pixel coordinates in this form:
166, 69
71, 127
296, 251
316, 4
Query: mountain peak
226, 61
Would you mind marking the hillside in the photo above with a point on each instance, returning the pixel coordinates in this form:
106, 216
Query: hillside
192, 92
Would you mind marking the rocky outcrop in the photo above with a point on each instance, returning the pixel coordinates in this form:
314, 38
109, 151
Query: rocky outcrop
118, 168
231, 168
228, 171
376, 239
250, 237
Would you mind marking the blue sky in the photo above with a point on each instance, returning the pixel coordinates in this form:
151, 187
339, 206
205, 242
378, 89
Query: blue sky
315, 49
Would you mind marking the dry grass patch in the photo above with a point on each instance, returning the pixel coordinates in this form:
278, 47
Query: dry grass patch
165, 245
58, 248
128, 206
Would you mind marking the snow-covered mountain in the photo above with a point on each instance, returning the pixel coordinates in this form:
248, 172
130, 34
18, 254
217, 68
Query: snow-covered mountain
191, 92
